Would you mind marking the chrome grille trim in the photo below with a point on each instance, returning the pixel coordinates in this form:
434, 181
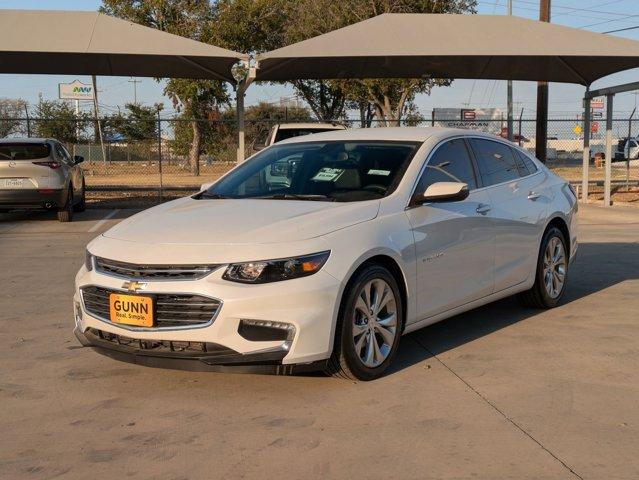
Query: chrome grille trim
132, 271
171, 311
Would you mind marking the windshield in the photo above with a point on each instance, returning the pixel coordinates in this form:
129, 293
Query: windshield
23, 151
342, 171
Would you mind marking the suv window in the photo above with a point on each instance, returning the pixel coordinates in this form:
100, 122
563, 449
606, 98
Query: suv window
23, 151
60, 153
495, 160
450, 163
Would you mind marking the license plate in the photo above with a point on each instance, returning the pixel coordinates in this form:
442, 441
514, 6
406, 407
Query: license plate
131, 309
12, 183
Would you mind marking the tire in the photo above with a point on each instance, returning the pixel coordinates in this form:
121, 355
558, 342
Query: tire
383, 326
65, 214
545, 294
81, 206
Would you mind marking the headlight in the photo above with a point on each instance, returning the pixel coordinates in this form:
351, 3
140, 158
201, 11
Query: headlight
276, 270
88, 260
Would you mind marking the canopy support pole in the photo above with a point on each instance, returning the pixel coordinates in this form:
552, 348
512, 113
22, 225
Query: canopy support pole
240, 92
586, 152
609, 104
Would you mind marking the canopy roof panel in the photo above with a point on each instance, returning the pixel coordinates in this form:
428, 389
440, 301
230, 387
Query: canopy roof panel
453, 46
91, 43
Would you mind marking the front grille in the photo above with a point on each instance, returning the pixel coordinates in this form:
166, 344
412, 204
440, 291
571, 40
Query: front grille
171, 310
153, 272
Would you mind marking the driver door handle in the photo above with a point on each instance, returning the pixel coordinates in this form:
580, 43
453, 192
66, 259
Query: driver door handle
533, 196
483, 208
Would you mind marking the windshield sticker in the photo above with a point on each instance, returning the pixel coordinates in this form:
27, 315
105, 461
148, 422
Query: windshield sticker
327, 174
384, 173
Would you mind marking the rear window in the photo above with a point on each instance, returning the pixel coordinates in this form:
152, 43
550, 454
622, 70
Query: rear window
284, 133
23, 151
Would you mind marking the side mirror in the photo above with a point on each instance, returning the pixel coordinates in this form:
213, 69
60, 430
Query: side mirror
445, 192
206, 186
78, 159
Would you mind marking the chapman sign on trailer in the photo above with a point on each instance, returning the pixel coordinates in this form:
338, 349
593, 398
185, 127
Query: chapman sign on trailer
484, 119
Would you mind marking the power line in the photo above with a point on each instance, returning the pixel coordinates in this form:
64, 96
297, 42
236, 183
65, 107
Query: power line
622, 29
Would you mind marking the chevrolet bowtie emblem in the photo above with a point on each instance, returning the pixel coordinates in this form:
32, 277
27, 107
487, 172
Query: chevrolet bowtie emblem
133, 286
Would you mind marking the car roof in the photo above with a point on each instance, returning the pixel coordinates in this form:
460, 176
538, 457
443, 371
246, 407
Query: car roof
291, 126
411, 134
24, 140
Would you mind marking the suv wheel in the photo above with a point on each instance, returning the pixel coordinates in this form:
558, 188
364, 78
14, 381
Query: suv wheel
81, 206
65, 214
369, 326
551, 272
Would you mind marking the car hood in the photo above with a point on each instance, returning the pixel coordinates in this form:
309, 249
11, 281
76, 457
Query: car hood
196, 222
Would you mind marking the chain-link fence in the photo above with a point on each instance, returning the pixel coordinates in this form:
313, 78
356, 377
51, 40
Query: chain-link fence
160, 160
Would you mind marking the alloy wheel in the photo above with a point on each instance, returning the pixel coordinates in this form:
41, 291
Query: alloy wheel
374, 322
554, 267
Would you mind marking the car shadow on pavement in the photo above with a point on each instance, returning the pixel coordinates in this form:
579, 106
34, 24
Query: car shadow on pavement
51, 216
597, 267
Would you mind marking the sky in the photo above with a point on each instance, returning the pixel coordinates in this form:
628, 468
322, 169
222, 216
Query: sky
565, 100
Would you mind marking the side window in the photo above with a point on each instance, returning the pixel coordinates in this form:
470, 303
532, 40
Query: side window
60, 153
495, 160
530, 166
450, 163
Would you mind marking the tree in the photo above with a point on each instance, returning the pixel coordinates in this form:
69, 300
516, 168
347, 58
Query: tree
137, 124
57, 119
187, 18
11, 110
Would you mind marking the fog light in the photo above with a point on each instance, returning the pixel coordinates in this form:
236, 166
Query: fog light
266, 331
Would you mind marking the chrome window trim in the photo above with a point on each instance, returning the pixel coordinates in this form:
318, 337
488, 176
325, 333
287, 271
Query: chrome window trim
150, 329
469, 137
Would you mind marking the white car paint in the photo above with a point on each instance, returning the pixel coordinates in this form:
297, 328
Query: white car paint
453, 256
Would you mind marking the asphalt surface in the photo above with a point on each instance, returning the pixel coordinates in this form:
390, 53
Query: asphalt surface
499, 392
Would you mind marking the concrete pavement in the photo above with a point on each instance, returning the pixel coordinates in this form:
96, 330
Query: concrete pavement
499, 392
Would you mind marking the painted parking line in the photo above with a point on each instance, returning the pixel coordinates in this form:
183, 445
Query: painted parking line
103, 221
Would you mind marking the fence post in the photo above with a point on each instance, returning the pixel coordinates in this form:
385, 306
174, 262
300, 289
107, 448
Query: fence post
160, 152
586, 153
26, 111
609, 105
628, 145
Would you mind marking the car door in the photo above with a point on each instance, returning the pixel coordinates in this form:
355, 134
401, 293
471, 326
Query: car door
519, 204
454, 241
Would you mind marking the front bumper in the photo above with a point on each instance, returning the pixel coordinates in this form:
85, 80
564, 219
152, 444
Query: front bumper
210, 357
309, 304
31, 199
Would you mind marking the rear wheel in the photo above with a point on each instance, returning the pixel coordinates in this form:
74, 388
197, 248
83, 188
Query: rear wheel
65, 214
81, 206
369, 326
551, 272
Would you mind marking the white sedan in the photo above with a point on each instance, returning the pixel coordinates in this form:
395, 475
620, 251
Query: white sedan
320, 252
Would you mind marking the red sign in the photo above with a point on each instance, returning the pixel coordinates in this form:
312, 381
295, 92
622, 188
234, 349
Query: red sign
468, 114
597, 103
594, 127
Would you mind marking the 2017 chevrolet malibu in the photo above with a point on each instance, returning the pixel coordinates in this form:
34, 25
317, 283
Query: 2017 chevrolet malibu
319, 252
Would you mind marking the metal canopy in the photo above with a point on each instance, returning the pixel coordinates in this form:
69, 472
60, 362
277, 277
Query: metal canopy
91, 43
453, 46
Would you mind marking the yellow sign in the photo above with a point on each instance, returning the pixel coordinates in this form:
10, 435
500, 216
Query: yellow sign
577, 129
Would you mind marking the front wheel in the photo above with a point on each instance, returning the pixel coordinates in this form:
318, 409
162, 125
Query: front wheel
551, 272
369, 326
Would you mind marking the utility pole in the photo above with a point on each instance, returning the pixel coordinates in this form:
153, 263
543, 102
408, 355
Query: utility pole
541, 137
510, 89
135, 89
